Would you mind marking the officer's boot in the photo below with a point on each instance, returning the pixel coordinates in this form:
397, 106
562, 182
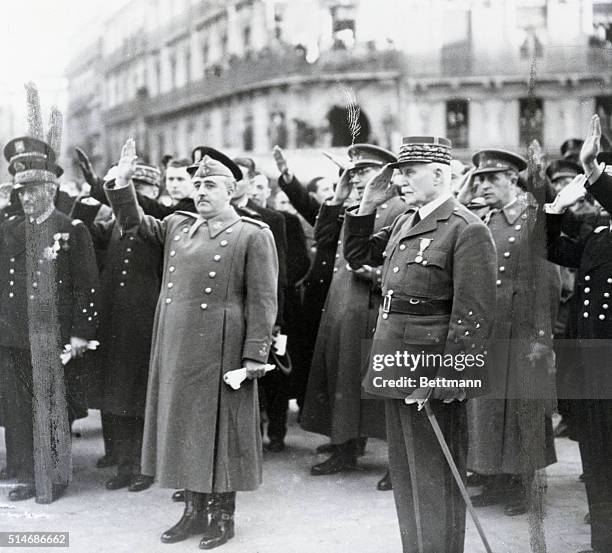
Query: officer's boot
194, 520
221, 527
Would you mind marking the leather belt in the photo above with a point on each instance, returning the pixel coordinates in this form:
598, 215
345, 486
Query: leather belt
415, 306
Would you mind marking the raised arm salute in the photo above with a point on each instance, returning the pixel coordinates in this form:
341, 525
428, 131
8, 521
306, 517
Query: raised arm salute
215, 313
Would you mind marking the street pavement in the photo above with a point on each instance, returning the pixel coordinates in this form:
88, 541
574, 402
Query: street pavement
292, 512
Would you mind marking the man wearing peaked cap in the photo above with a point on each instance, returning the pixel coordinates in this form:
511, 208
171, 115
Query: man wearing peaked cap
215, 313
200, 152
561, 172
570, 149
433, 302
43, 242
333, 403
508, 434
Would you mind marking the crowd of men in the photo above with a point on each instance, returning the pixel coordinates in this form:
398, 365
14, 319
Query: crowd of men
179, 275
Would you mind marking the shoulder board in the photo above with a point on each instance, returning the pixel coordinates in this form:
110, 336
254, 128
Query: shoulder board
260, 224
599, 229
12, 217
463, 212
76, 222
188, 213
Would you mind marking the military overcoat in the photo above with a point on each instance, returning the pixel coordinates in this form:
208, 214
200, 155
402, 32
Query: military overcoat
333, 404
217, 307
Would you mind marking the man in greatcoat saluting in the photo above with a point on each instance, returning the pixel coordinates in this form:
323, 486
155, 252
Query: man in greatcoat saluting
438, 283
215, 314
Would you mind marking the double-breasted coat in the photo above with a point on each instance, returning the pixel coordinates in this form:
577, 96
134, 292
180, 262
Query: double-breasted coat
217, 307
130, 279
333, 404
508, 429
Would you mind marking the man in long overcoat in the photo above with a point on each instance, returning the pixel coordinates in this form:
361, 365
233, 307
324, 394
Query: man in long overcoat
215, 314
508, 431
334, 406
129, 287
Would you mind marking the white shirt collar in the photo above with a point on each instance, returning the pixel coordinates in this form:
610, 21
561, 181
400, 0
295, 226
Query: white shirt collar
429, 207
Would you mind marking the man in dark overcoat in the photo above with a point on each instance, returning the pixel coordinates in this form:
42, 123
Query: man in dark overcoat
591, 383
438, 284
63, 250
334, 406
215, 314
130, 282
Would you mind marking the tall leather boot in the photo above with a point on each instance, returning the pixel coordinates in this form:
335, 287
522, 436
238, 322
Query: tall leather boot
194, 520
342, 459
221, 527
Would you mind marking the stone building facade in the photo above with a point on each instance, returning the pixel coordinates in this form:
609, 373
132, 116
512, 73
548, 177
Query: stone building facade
247, 74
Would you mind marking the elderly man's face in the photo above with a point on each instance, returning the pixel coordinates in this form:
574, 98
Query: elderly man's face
212, 195
37, 198
419, 178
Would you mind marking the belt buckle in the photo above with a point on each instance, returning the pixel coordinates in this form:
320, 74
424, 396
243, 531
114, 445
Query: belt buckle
414, 301
386, 303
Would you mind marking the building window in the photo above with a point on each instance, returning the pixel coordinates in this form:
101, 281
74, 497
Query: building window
223, 45
172, 71
205, 53
277, 131
603, 108
227, 123
246, 38
531, 18
247, 134
187, 65
531, 121
343, 25
457, 122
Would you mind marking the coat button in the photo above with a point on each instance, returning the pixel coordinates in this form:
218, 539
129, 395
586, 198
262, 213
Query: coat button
212, 274
170, 284
502, 269
12, 271
402, 247
131, 238
587, 290
185, 229
511, 239
122, 284
377, 216
517, 227
126, 261
35, 285
11, 294
208, 290
204, 305
172, 253
506, 254
12, 260
177, 238
498, 283
424, 262
168, 300
128, 250
335, 270
609, 281
172, 269
229, 230
217, 258
32, 297
602, 317
606, 294
385, 316
337, 256
384, 206
396, 269
585, 314
124, 272
323, 262
11, 283
224, 243
587, 278
339, 242
586, 302
605, 306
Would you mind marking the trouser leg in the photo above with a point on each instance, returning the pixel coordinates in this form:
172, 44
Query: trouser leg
107, 433
429, 505
275, 386
596, 448
137, 431
122, 443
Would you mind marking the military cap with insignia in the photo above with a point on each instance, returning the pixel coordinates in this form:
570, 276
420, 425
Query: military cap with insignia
31, 162
496, 161
368, 155
147, 174
211, 167
200, 152
424, 149
561, 168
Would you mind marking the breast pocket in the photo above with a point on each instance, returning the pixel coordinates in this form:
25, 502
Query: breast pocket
426, 274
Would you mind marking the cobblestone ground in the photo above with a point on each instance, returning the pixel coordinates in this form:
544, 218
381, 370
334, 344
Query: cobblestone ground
292, 512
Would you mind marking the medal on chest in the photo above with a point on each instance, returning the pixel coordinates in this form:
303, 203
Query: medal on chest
423, 245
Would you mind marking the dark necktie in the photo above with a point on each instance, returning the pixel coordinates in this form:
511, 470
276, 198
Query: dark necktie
415, 220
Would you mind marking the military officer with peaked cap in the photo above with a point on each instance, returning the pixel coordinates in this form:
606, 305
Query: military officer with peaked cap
438, 285
333, 404
61, 247
502, 444
215, 314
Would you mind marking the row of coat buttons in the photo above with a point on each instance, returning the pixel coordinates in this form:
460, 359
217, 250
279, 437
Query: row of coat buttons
606, 295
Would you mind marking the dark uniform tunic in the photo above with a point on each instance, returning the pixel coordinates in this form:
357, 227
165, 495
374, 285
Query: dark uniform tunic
592, 383
217, 307
454, 277
65, 250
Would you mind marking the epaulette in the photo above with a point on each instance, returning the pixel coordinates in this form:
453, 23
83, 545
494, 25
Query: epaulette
463, 212
599, 229
260, 224
75, 222
188, 213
